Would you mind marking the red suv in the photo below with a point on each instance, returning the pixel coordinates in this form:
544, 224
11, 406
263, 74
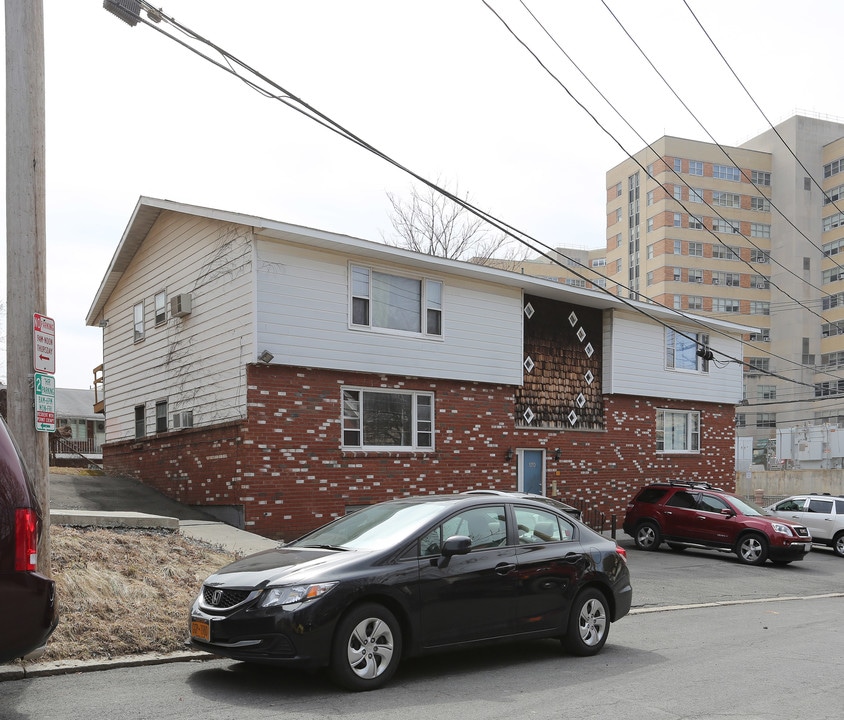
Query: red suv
27, 599
686, 514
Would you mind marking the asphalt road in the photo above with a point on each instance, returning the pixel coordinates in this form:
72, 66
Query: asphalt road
708, 638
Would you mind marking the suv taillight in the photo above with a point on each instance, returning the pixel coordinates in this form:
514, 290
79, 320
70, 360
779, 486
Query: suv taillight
26, 540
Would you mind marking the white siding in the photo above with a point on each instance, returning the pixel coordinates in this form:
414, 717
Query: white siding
303, 319
634, 363
196, 362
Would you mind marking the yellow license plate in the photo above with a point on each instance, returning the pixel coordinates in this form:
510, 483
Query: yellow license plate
201, 630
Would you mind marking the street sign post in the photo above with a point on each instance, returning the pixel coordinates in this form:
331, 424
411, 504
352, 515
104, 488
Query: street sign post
45, 402
44, 343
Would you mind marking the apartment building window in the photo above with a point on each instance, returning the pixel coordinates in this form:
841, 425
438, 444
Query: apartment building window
833, 221
766, 392
695, 249
677, 431
650, 197
833, 168
831, 330
394, 302
758, 365
618, 189
695, 275
695, 223
766, 420
575, 282
695, 195
650, 278
833, 387
618, 215
138, 321
383, 419
618, 240
834, 195
764, 336
726, 199
618, 265
649, 251
725, 305
831, 301
678, 302
726, 172
677, 274
678, 220
599, 262
759, 256
678, 165
760, 282
808, 358
695, 167
832, 275
724, 226
140, 421
678, 192
681, 350
650, 224
762, 204
760, 177
741, 420
160, 308
833, 248
830, 361
760, 230
695, 302
678, 247
650, 169
724, 252
760, 308
726, 278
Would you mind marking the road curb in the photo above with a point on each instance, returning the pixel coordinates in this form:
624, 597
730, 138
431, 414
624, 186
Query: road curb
22, 671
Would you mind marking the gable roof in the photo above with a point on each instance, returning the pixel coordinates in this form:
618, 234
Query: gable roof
147, 211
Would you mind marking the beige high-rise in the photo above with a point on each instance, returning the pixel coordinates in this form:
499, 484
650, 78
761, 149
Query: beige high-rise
709, 231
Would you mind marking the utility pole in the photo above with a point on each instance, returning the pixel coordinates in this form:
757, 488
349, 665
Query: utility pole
26, 243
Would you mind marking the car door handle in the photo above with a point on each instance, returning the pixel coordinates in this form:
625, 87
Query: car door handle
504, 568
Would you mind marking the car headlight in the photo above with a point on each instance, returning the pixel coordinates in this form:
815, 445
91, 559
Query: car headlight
293, 594
782, 529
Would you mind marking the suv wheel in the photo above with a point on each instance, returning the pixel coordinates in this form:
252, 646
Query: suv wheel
647, 536
838, 544
752, 549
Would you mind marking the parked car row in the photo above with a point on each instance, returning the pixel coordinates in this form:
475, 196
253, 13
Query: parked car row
413, 576
688, 514
822, 514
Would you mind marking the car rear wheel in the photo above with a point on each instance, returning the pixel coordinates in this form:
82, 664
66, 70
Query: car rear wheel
838, 544
752, 549
589, 624
647, 536
367, 648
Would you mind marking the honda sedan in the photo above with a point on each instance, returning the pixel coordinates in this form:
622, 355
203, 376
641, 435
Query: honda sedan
414, 576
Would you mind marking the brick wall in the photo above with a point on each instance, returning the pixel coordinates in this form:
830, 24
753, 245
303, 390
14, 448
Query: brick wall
285, 466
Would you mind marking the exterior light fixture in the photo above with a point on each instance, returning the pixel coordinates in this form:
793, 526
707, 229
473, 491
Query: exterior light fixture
509, 455
557, 455
266, 357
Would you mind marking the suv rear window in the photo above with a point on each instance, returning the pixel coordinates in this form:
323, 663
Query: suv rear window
651, 494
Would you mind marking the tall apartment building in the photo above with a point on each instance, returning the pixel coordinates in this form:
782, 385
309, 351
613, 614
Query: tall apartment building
745, 234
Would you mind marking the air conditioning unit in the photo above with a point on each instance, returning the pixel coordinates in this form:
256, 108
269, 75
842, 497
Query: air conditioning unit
183, 419
716, 281
180, 305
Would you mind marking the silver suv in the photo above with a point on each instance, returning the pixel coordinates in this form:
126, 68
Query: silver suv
822, 514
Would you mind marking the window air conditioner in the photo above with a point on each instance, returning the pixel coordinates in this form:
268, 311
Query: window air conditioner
716, 281
183, 419
180, 305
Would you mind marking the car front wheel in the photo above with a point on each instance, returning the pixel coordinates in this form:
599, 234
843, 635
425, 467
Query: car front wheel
752, 549
367, 648
589, 624
647, 536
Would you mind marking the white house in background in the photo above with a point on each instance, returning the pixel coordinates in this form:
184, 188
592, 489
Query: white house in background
284, 375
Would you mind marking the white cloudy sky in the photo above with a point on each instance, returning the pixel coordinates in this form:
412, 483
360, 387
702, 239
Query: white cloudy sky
440, 85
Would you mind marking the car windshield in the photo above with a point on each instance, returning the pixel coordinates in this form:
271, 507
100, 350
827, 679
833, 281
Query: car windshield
373, 528
746, 507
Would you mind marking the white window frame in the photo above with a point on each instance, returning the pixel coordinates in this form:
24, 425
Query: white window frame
683, 430
354, 406
138, 321
362, 307
160, 303
681, 351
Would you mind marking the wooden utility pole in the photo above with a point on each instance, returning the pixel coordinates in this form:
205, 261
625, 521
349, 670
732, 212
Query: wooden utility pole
26, 243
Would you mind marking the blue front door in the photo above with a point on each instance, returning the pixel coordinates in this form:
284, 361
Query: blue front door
532, 471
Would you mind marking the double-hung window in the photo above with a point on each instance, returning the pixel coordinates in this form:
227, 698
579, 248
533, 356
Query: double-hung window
395, 302
138, 322
677, 431
681, 350
388, 419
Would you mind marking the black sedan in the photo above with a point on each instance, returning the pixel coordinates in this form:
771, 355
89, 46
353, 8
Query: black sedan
414, 576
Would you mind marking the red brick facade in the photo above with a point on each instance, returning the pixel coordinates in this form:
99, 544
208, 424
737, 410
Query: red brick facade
284, 464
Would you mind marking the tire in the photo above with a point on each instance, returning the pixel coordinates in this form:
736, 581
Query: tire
677, 547
367, 648
589, 624
838, 544
752, 549
647, 536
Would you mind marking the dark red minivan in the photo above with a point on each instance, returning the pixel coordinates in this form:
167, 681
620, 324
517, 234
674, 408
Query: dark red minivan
28, 613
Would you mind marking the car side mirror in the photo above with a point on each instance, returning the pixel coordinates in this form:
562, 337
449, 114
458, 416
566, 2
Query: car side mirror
455, 545
728, 512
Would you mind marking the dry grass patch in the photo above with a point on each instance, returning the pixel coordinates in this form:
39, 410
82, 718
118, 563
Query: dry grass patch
123, 592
